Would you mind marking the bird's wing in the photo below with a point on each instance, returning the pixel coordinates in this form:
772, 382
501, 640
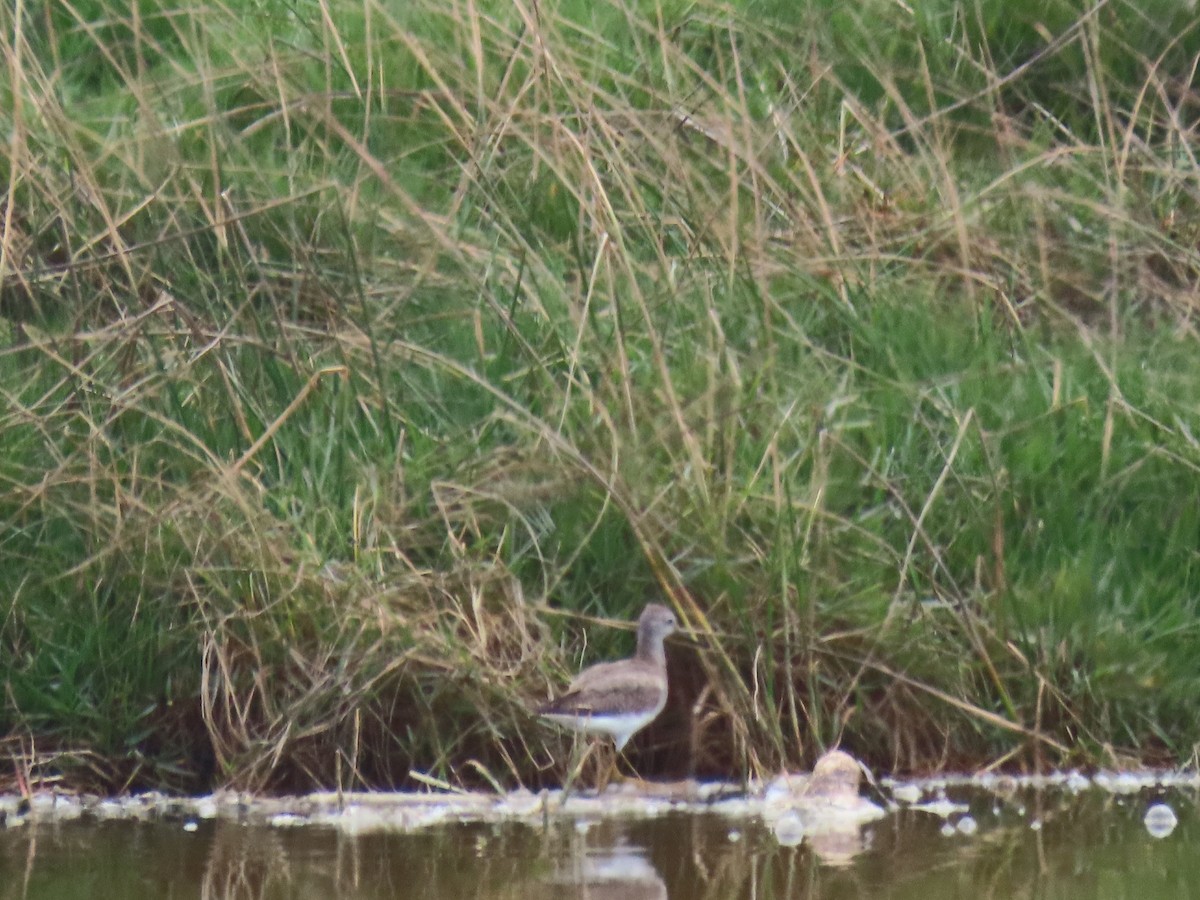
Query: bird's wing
608, 686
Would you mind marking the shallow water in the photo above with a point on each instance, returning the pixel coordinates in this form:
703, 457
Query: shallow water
1046, 844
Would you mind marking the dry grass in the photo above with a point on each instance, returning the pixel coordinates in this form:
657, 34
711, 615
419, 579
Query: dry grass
361, 364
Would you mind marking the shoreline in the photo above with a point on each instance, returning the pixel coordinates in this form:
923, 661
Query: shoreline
360, 812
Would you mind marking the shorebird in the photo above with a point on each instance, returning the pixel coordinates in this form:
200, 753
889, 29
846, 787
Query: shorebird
618, 699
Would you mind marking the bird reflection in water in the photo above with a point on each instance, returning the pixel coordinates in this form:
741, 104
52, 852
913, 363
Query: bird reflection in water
621, 872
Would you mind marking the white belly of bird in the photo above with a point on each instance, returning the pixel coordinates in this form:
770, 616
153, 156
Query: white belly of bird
619, 726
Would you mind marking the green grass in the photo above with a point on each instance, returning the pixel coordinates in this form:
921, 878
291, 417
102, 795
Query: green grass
358, 368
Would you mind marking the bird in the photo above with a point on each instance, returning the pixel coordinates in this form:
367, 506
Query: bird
618, 699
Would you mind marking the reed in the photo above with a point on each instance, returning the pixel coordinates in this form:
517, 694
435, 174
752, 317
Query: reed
357, 358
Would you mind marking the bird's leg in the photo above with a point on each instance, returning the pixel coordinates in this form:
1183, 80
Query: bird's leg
619, 771
613, 771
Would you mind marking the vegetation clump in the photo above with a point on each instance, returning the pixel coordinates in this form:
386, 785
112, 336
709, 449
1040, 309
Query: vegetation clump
362, 362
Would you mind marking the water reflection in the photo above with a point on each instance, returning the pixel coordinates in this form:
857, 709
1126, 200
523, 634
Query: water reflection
611, 873
838, 846
1050, 845
245, 864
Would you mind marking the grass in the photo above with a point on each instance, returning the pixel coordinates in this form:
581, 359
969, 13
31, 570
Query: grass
360, 367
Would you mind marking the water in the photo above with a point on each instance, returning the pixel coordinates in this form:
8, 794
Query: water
1049, 845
